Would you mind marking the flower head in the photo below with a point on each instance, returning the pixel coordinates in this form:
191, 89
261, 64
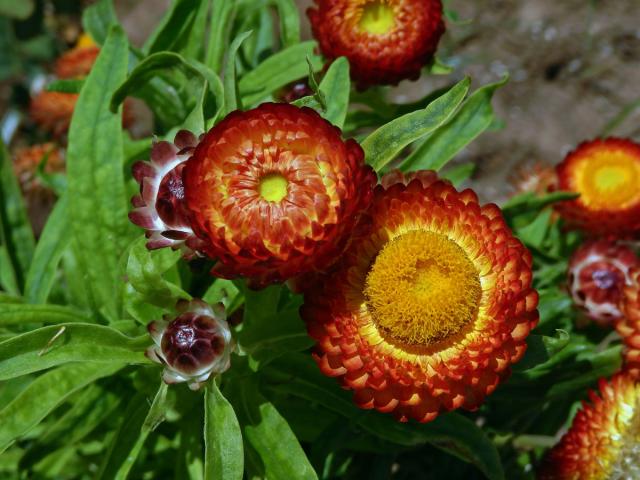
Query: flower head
274, 192
160, 208
26, 161
629, 324
77, 62
606, 174
52, 111
604, 439
194, 345
430, 305
385, 40
598, 271
539, 178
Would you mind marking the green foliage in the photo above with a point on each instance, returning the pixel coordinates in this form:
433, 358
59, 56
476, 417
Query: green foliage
77, 393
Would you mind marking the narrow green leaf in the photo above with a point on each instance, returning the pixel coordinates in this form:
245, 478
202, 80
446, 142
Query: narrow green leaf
174, 30
97, 199
473, 118
8, 280
65, 86
335, 87
270, 435
460, 173
47, 347
224, 454
52, 244
387, 141
232, 99
297, 375
25, 314
19, 10
289, 22
145, 271
222, 14
44, 394
534, 234
98, 18
148, 69
133, 432
541, 349
277, 71
17, 235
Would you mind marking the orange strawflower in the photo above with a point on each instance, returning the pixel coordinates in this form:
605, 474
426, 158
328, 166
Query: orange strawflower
77, 62
606, 174
598, 271
385, 40
629, 325
27, 159
604, 439
52, 111
274, 192
429, 306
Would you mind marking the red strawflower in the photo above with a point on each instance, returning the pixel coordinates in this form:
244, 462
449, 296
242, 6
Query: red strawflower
629, 325
274, 192
606, 174
385, 40
603, 442
430, 305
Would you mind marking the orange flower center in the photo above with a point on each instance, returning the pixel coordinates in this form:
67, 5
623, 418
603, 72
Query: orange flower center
377, 17
608, 180
273, 187
422, 288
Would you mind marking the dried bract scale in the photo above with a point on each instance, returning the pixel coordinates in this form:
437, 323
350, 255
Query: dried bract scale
429, 306
604, 439
606, 174
598, 271
629, 324
160, 208
385, 40
194, 346
274, 193
538, 178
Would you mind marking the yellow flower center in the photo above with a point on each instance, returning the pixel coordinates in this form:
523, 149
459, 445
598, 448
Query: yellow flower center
273, 187
608, 180
377, 18
85, 41
422, 288
627, 462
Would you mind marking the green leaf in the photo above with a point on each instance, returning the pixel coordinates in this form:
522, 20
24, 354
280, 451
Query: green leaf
44, 394
386, 142
52, 244
534, 234
459, 174
473, 118
222, 13
98, 18
289, 22
25, 314
16, 234
174, 30
145, 269
232, 99
133, 432
97, 199
8, 280
269, 434
224, 454
335, 87
277, 71
297, 375
148, 69
541, 349
19, 10
50, 346
65, 86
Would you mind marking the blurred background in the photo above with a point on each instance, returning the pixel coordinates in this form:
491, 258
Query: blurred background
574, 68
